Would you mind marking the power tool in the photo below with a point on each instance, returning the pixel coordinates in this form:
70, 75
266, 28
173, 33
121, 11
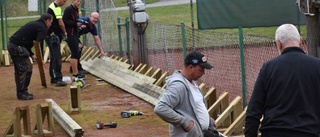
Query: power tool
101, 125
80, 82
127, 114
83, 22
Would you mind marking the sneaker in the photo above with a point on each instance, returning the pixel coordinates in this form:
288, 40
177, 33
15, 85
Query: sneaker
24, 96
59, 83
79, 76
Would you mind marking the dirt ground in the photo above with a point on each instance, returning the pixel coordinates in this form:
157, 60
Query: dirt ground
99, 102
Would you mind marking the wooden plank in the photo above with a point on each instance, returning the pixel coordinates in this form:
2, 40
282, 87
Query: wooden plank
65, 121
143, 69
227, 112
138, 67
89, 54
126, 61
135, 83
148, 72
161, 81
14, 128
43, 111
203, 89
40, 63
6, 56
216, 105
156, 74
46, 54
96, 54
85, 54
238, 122
211, 98
237, 110
74, 99
223, 106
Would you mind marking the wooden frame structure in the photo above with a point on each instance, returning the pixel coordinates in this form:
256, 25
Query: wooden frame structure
14, 128
43, 111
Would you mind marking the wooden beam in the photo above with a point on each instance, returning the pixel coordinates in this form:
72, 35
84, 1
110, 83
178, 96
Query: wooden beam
156, 74
46, 54
6, 56
14, 128
74, 99
161, 81
203, 89
138, 67
211, 98
65, 121
143, 69
42, 111
238, 122
227, 112
216, 105
85, 54
148, 72
36, 46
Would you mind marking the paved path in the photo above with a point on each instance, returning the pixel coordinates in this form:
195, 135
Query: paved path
162, 3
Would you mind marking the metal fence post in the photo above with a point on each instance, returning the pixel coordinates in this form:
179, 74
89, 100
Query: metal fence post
2, 24
128, 39
243, 68
119, 35
183, 38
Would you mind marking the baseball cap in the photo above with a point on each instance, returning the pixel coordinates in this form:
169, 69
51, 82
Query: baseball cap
197, 58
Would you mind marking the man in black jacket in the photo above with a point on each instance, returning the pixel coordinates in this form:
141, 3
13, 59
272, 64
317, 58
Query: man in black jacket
287, 91
19, 48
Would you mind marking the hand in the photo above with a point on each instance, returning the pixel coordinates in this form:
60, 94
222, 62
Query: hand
190, 126
64, 37
214, 123
34, 57
103, 53
80, 45
79, 24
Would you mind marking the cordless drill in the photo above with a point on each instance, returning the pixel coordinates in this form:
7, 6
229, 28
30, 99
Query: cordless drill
83, 22
101, 125
127, 114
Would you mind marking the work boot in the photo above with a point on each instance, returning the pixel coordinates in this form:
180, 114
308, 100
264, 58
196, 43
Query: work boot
29, 94
24, 96
59, 83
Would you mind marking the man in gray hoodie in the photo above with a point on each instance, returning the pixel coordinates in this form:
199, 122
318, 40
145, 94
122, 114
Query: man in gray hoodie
182, 105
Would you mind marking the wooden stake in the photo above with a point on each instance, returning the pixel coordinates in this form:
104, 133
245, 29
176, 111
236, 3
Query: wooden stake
40, 63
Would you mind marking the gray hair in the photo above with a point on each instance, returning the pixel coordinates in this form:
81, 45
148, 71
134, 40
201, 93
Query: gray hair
286, 33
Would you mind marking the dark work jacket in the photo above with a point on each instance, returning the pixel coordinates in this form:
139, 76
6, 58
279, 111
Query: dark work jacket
70, 16
32, 31
287, 95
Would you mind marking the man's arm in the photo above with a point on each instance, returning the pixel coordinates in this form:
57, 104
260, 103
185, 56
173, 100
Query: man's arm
99, 45
169, 100
62, 27
255, 107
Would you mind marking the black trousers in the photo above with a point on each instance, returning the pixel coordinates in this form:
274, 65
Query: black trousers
22, 68
53, 43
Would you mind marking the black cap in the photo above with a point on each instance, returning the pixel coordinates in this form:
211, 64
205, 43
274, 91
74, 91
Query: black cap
197, 58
